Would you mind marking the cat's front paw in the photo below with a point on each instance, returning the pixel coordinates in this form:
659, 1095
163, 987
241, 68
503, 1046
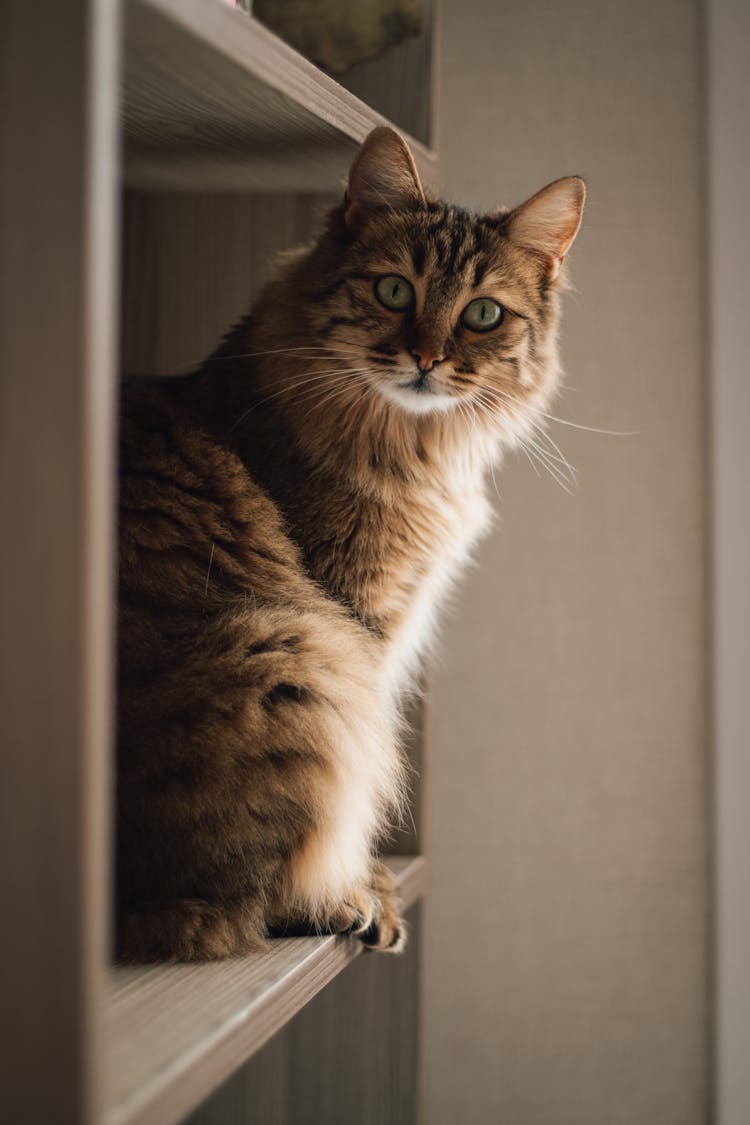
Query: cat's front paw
369, 913
386, 934
382, 927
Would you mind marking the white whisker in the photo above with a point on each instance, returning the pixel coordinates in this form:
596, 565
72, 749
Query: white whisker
565, 421
555, 453
543, 457
310, 377
311, 350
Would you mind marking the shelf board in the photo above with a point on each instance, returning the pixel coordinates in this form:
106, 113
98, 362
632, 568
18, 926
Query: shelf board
175, 1032
214, 101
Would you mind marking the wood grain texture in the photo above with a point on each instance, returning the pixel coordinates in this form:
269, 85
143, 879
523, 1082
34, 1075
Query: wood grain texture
215, 101
350, 1055
57, 379
175, 1032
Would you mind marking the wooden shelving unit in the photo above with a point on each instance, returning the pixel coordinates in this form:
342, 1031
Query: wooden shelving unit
163, 98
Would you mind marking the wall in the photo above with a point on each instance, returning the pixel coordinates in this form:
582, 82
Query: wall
729, 164
568, 972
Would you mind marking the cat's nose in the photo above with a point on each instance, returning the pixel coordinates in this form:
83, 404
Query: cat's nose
427, 356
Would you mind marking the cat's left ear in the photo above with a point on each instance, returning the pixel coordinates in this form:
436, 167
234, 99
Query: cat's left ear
547, 223
383, 177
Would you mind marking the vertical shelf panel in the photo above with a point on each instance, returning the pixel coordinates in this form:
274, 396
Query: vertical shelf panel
57, 328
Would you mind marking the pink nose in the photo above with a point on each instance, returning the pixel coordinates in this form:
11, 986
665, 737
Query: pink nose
427, 356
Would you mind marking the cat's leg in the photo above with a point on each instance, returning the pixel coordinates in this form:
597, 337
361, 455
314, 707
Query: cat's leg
331, 884
253, 791
370, 912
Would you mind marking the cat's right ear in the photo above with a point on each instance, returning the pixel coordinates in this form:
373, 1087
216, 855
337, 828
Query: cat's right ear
383, 177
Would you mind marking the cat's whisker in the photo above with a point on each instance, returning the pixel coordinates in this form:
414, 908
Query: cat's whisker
338, 400
473, 414
463, 414
469, 415
476, 404
494, 482
534, 439
492, 407
588, 429
554, 454
208, 572
542, 456
344, 378
534, 460
333, 374
477, 413
361, 348
324, 396
530, 459
310, 349
558, 454
567, 422
486, 404
310, 377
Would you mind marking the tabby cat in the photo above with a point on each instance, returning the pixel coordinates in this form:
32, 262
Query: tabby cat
291, 517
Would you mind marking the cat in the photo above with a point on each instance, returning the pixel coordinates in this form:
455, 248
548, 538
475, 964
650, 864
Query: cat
292, 515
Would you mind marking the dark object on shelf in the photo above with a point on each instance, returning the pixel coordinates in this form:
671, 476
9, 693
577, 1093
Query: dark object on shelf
336, 34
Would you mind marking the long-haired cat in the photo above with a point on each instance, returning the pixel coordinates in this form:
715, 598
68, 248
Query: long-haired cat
291, 516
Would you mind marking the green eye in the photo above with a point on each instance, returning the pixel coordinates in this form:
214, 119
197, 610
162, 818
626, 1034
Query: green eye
482, 314
394, 292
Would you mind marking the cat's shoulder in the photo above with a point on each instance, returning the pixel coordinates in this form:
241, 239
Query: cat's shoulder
160, 427
176, 461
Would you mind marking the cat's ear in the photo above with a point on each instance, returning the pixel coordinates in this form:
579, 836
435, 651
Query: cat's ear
383, 177
547, 223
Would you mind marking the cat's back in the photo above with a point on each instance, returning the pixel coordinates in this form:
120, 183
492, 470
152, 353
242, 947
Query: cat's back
193, 523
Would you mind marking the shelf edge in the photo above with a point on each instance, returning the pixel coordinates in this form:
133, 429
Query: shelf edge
167, 1095
230, 37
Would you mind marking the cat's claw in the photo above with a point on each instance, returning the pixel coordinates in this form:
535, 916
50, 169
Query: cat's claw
381, 927
385, 936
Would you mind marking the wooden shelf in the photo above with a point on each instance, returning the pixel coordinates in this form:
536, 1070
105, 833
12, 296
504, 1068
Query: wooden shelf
214, 101
175, 1032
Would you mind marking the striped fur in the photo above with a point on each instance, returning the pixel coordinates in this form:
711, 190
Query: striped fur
292, 516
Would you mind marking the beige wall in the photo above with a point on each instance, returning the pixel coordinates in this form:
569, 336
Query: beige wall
567, 974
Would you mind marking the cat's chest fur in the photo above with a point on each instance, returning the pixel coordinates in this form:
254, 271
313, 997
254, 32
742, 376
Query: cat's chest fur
393, 555
384, 524
453, 521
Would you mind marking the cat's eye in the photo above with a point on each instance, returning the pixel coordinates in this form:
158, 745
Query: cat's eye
482, 314
396, 293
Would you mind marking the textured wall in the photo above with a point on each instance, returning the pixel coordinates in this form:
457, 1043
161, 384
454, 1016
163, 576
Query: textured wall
567, 975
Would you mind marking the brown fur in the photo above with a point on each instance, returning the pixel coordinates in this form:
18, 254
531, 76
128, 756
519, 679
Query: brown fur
288, 524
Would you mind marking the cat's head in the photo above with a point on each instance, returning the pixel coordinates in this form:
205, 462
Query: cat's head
437, 309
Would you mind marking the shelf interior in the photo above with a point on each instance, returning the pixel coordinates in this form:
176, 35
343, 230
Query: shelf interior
215, 103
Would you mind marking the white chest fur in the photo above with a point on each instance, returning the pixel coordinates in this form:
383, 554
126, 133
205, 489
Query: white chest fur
461, 516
